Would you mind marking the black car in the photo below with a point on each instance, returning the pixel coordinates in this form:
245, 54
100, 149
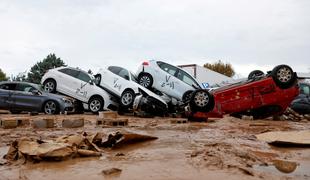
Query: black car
301, 103
22, 96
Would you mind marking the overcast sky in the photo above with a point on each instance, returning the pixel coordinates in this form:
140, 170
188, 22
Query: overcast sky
249, 34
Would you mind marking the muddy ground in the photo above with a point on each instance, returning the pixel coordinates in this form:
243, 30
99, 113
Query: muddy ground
221, 148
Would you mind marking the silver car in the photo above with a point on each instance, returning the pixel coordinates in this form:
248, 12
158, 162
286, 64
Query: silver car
22, 96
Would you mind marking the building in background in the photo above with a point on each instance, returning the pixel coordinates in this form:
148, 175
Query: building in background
206, 77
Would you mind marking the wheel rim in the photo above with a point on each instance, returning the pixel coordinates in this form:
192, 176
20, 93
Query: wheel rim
127, 98
145, 81
201, 99
284, 74
49, 87
95, 105
50, 107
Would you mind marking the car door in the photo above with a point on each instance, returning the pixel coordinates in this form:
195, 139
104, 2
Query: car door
5, 95
85, 86
70, 82
185, 82
168, 83
24, 99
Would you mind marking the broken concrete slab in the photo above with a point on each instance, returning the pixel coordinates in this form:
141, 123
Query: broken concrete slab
73, 123
47, 122
8, 123
178, 121
286, 138
108, 114
112, 122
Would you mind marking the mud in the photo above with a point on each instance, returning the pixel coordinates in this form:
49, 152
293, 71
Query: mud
225, 148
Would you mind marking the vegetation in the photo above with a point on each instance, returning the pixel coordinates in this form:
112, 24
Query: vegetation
220, 67
37, 71
3, 76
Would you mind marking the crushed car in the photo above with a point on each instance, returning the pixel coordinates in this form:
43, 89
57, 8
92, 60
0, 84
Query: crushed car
301, 104
260, 96
123, 84
80, 85
22, 96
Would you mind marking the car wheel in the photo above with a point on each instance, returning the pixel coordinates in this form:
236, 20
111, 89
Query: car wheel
51, 107
254, 74
50, 86
202, 101
95, 104
145, 80
127, 99
283, 76
187, 96
15, 112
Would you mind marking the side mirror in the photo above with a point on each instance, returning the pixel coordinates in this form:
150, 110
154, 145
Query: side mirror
91, 82
35, 92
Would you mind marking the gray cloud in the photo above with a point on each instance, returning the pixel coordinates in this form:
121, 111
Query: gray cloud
94, 33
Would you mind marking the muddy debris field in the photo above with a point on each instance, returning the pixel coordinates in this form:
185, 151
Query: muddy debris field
127, 147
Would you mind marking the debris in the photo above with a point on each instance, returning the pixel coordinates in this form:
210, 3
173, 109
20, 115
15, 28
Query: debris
290, 138
57, 150
178, 121
111, 171
244, 117
73, 123
121, 139
285, 166
43, 122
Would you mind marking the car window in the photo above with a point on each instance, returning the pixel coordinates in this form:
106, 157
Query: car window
70, 72
183, 76
119, 71
304, 89
84, 77
8, 86
133, 78
24, 87
167, 67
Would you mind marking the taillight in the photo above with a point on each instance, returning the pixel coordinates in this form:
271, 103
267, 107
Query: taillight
145, 63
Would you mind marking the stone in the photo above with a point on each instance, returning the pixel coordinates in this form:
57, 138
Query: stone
8, 123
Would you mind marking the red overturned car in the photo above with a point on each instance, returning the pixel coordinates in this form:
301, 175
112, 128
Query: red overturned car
260, 96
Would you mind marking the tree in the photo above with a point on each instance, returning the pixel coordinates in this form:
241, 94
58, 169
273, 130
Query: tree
3, 76
37, 71
220, 67
20, 77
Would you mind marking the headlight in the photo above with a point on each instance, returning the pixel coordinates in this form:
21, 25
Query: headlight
66, 100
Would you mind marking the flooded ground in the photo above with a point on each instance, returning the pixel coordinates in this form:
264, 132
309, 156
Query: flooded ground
224, 148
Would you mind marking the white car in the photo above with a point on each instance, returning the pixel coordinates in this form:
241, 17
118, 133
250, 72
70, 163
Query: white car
168, 79
122, 83
80, 85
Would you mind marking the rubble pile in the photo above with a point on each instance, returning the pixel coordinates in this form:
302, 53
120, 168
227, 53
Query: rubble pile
291, 115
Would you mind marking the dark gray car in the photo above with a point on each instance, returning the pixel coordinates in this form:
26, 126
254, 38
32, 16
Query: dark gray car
23, 96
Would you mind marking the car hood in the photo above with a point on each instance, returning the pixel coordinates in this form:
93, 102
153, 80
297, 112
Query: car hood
150, 93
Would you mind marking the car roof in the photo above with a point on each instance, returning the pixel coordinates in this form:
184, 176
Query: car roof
74, 68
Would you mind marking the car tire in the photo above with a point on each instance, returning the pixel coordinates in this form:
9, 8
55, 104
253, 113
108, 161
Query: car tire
283, 76
254, 74
50, 107
95, 104
15, 112
145, 80
49, 86
201, 101
127, 99
187, 96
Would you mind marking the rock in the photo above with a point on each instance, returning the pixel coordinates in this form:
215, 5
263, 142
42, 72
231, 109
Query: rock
111, 171
285, 166
73, 123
